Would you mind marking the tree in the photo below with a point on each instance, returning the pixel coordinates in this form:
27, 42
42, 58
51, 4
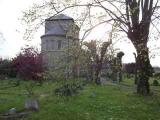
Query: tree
98, 59
28, 64
134, 17
138, 33
98, 54
136, 65
7, 69
119, 60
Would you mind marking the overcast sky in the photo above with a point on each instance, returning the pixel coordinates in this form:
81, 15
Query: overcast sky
11, 10
10, 26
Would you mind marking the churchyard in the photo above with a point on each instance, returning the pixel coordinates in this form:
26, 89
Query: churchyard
95, 60
110, 101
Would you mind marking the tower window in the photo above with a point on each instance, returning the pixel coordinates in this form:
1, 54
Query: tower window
52, 45
59, 44
47, 45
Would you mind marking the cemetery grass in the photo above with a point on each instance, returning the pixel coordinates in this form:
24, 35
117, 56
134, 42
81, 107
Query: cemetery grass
130, 83
106, 102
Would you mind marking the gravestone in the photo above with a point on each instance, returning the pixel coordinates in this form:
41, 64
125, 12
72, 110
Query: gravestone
12, 111
31, 104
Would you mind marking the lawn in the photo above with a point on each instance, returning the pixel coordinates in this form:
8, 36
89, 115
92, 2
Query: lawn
106, 102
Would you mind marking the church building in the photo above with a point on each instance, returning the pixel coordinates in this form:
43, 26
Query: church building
60, 32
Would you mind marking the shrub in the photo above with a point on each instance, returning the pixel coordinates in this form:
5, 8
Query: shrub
155, 83
69, 89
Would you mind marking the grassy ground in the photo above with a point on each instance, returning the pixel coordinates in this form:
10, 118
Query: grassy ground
107, 102
130, 82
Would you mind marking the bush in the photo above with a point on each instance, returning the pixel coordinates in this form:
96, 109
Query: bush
155, 83
69, 89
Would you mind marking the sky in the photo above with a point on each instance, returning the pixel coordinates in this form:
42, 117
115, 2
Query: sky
10, 27
12, 38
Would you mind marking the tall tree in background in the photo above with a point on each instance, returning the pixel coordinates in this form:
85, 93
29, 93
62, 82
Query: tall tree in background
133, 16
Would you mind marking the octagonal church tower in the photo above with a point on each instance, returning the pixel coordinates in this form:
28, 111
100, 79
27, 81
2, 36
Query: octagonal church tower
60, 32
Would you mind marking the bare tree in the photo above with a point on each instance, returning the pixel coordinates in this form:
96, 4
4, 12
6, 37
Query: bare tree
98, 58
135, 18
138, 23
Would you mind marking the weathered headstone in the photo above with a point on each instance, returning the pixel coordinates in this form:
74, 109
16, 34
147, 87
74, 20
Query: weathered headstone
31, 104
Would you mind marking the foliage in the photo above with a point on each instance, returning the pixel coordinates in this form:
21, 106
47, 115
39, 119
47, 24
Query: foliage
28, 64
7, 68
156, 83
68, 89
72, 64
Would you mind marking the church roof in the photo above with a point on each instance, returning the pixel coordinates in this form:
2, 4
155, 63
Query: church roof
56, 30
59, 17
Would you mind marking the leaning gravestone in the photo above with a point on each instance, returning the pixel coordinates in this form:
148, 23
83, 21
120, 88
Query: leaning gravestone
31, 104
103, 80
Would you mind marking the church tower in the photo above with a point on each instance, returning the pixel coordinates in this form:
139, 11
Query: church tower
60, 32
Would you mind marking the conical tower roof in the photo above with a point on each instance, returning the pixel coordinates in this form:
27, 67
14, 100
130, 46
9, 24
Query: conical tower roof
59, 17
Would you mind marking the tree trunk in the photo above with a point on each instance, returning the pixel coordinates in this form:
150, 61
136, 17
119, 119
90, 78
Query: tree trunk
143, 71
135, 70
98, 71
135, 78
97, 78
